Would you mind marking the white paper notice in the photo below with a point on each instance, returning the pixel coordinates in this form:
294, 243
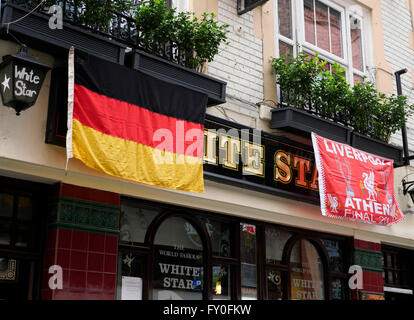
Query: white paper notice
131, 288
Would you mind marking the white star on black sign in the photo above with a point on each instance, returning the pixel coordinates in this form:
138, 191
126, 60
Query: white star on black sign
5, 83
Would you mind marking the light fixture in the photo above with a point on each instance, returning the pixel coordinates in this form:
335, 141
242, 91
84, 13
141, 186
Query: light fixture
21, 78
217, 290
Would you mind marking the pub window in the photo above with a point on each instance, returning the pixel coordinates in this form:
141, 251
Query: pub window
135, 220
178, 261
336, 252
306, 272
398, 265
222, 282
275, 244
221, 236
131, 274
16, 221
276, 275
248, 259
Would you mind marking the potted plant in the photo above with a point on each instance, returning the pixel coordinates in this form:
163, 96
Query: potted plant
86, 27
176, 46
309, 100
369, 116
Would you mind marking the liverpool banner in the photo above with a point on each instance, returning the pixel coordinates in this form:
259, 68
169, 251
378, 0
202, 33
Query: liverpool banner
130, 125
355, 185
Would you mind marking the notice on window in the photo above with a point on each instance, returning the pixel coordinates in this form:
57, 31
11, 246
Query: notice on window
131, 288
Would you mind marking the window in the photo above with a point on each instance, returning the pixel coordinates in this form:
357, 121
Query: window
166, 252
178, 261
398, 265
248, 257
338, 33
306, 273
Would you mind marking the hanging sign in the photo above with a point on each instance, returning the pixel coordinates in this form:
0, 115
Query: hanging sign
355, 185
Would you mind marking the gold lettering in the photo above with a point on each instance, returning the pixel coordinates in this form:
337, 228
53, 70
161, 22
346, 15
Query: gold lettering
283, 172
302, 166
254, 159
231, 146
210, 143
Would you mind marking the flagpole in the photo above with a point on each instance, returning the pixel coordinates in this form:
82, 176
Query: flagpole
71, 86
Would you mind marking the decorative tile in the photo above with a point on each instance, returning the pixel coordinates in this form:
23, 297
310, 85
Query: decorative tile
109, 282
97, 242
78, 260
63, 258
95, 262
64, 238
87, 216
110, 263
77, 280
80, 240
94, 281
111, 244
88, 194
368, 260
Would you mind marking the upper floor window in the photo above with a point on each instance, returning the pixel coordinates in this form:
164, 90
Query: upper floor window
338, 33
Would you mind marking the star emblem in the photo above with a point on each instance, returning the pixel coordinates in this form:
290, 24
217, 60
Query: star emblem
5, 83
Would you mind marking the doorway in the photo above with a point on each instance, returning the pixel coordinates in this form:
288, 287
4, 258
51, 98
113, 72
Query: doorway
21, 205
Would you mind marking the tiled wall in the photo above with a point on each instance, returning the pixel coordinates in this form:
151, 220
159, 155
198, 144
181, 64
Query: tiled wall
369, 256
83, 240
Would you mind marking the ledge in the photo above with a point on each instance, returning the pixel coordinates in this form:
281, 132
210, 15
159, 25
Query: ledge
176, 74
303, 123
34, 31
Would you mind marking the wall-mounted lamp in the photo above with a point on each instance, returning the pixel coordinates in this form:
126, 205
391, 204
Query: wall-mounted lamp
407, 188
21, 78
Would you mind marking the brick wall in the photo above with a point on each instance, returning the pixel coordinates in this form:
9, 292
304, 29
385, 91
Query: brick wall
240, 64
368, 255
397, 32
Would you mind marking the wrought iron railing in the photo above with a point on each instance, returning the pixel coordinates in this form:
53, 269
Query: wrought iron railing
119, 26
339, 117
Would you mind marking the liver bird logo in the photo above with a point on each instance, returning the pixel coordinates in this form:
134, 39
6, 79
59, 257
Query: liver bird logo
369, 184
333, 203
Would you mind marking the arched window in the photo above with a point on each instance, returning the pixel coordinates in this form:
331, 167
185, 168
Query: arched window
306, 272
167, 252
178, 261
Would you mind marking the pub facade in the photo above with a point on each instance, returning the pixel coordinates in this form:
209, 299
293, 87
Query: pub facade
68, 231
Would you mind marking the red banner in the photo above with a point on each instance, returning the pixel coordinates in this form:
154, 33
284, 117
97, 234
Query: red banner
355, 185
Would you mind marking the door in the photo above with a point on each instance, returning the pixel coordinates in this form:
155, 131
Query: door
20, 239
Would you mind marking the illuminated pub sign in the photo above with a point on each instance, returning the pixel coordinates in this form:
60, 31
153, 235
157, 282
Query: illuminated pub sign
259, 161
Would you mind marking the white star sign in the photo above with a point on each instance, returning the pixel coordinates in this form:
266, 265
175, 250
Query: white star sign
5, 83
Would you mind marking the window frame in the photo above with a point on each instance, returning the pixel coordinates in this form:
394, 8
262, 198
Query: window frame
146, 250
298, 36
397, 255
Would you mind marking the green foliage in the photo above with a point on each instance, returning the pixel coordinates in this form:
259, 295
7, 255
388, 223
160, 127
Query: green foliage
306, 84
96, 14
155, 25
197, 40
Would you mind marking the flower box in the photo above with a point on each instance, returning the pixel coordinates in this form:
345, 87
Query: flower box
35, 32
303, 123
377, 147
174, 73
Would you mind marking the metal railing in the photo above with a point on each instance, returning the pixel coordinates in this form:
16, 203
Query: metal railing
118, 26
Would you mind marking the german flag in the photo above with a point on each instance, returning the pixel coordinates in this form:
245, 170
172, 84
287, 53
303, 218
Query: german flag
131, 125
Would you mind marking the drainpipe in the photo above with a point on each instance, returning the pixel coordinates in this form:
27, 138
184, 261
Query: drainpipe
403, 128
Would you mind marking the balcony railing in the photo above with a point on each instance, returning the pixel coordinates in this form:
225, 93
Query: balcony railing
121, 27
336, 117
